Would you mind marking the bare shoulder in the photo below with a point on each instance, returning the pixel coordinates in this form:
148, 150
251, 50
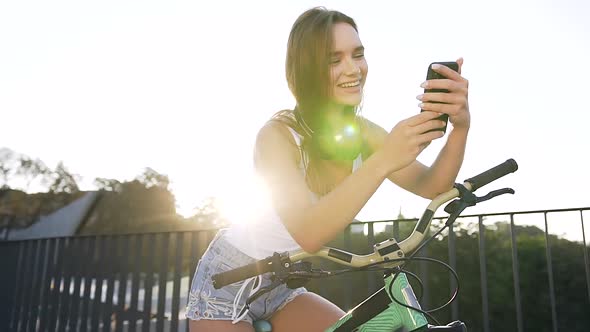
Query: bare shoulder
275, 141
272, 129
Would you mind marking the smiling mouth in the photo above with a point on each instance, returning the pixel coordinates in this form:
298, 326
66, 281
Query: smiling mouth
349, 84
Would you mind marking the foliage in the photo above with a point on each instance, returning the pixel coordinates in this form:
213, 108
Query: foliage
16, 166
63, 181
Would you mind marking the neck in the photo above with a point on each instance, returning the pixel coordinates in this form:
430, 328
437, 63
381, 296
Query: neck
339, 109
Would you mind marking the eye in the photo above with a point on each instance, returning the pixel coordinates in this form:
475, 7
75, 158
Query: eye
334, 60
359, 55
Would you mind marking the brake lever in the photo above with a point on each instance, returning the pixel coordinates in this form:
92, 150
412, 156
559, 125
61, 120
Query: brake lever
466, 198
495, 193
469, 199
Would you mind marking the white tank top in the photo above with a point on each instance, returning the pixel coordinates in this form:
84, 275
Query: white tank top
267, 234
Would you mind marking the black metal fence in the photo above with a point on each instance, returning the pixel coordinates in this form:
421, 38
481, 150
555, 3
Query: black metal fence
139, 282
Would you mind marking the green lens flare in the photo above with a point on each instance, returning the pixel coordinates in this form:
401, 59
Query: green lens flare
349, 130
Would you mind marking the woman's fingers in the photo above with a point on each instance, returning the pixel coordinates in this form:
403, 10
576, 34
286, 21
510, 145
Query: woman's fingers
446, 72
447, 98
421, 118
460, 63
452, 85
426, 138
428, 126
450, 109
444, 102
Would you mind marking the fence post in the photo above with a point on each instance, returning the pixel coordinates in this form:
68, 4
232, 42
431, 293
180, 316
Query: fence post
516, 274
453, 264
9, 262
483, 277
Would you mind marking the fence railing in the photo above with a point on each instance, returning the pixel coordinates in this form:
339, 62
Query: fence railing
140, 282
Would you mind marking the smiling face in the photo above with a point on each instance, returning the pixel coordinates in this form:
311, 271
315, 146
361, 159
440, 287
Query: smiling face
348, 66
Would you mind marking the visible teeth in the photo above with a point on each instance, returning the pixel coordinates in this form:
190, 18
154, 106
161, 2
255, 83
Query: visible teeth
350, 84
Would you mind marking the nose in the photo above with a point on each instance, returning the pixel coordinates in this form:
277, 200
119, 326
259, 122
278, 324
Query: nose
352, 68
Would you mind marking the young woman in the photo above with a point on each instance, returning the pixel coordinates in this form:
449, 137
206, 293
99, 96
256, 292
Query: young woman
322, 162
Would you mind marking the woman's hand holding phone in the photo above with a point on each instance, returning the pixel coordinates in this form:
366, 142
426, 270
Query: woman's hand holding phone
446, 92
447, 96
409, 137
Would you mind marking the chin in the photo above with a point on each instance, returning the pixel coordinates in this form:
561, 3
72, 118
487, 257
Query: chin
350, 101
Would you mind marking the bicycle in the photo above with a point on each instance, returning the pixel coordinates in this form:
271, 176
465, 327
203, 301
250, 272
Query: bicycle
394, 307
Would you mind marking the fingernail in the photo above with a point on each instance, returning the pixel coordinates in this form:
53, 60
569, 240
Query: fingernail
424, 84
419, 97
435, 66
421, 105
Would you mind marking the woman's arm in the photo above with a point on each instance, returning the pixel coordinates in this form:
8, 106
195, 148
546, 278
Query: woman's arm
440, 177
312, 224
428, 182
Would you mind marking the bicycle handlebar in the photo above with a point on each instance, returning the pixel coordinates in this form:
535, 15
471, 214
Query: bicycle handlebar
242, 273
480, 180
387, 251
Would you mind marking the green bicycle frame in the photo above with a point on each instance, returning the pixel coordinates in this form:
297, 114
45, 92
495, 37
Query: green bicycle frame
380, 313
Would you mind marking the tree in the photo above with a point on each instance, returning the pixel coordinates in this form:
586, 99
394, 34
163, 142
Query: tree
30, 169
18, 208
104, 184
63, 181
207, 215
131, 206
6, 157
150, 178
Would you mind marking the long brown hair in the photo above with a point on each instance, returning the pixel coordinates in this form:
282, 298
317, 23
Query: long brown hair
307, 70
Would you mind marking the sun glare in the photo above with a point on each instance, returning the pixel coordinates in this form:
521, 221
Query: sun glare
241, 202
237, 200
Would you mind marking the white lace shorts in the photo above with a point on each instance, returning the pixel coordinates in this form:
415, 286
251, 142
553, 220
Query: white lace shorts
206, 302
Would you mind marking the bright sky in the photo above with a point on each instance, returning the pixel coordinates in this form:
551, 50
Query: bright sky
112, 87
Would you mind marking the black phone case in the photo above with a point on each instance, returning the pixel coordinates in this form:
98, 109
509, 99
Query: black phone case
432, 75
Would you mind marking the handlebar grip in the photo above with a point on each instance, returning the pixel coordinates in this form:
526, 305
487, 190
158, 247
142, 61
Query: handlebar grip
241, 273
492, 174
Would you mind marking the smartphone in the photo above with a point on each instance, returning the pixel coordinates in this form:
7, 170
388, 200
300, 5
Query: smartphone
432, 75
